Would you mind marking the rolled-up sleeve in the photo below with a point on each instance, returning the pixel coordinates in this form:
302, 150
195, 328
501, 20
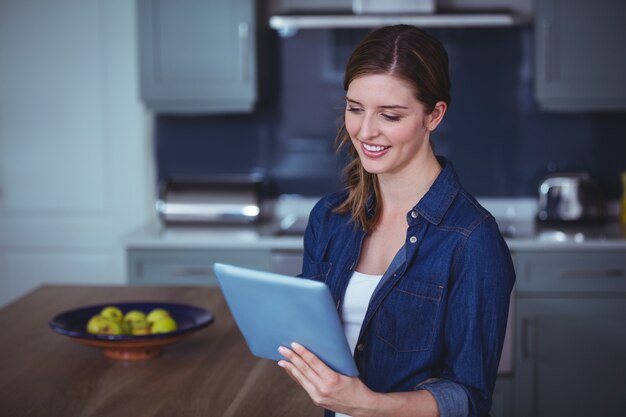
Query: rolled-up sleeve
451, 397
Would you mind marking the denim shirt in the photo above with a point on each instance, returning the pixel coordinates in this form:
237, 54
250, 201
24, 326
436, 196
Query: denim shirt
438, 317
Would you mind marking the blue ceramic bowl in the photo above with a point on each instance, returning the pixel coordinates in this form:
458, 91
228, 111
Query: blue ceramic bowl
73, 324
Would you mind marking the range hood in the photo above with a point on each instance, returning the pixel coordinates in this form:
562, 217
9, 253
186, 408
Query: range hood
412, 12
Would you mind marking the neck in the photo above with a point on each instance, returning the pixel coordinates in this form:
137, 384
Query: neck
400, 192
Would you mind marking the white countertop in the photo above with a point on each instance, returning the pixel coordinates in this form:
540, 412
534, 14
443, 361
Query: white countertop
155, 236
514, 215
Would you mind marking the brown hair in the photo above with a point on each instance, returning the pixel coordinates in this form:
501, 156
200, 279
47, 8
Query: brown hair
414, 56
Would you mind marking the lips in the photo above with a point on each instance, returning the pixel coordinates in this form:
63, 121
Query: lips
374, 151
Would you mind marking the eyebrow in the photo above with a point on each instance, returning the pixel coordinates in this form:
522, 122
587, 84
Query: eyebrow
382, 107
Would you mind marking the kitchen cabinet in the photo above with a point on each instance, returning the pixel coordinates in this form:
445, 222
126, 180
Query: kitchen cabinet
188, 267
502, 400
580, 62
570, 321
198, 56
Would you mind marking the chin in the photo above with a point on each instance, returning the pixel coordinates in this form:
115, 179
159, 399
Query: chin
374, 170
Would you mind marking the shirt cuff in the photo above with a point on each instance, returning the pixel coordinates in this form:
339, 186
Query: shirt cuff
451, 397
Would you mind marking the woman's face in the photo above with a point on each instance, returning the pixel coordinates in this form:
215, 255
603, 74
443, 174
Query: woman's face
388, 126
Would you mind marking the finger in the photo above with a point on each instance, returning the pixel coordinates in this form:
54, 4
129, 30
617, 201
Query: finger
295, 374
301, 370
283, 364
315, 363
297, 360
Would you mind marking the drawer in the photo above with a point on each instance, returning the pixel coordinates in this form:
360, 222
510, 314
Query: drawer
287, 262
188, 267
591, 272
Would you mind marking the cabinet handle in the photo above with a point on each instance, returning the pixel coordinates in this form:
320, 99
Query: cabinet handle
546, 30
244, 36
593, 273
527, 338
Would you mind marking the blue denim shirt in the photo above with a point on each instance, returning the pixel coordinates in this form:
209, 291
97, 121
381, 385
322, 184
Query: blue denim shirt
437, 319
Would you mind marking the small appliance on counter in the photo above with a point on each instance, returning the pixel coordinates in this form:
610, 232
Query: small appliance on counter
214, 200
570, 198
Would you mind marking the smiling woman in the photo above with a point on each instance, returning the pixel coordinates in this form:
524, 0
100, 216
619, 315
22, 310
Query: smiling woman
419, 271
398, 88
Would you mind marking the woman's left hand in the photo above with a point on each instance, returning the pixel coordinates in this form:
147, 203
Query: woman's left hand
326, 387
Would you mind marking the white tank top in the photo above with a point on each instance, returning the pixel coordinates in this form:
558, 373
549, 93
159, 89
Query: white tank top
355, 303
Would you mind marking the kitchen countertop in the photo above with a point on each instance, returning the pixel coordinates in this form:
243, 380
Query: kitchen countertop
210, 373
515, 218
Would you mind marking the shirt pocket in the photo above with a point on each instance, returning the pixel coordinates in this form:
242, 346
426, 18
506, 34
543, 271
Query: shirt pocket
316, 270
408, 316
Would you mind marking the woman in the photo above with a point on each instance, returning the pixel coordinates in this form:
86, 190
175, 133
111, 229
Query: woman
419, 270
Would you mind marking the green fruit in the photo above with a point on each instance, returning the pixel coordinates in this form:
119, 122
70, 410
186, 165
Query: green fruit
126, 328
140, 327
164, 325
112, 313
157, 314
141, 331
134, 316
102, 325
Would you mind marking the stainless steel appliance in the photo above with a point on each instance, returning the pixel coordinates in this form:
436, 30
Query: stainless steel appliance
570, 197
217, 200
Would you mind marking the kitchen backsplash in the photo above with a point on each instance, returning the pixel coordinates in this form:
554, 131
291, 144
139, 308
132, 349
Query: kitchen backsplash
497, 138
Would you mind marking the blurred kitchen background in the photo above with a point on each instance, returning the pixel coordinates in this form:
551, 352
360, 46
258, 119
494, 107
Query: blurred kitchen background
135, 137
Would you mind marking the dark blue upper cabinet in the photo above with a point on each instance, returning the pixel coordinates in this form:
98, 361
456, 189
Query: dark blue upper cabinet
197, 56
580, 59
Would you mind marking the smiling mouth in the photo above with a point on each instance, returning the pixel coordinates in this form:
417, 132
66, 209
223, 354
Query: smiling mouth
374, 148
374, 151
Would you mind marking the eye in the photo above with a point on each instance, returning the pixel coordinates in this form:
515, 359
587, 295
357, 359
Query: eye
353, 109
390, 118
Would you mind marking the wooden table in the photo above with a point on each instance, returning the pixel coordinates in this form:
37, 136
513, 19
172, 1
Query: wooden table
211, 373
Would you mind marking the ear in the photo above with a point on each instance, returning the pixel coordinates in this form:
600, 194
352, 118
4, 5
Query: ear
436, 116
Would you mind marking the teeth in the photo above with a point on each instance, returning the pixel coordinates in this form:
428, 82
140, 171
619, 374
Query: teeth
374, 148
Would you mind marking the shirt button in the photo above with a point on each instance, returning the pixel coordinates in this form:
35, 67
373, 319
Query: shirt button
414, 214
360, 347
412, 239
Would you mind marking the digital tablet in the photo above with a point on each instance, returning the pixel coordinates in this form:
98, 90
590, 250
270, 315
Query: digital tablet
275, 310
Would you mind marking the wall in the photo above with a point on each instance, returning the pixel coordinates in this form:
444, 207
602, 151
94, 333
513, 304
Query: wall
494, 133
75, 166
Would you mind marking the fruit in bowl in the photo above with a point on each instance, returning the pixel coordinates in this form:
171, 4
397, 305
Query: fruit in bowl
157, 314
112, 321
163, 325
102, 325
135, 316
136, 339
112, 313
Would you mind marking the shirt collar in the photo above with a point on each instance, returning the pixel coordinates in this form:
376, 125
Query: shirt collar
439, 197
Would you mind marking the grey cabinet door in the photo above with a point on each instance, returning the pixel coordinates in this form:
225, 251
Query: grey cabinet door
197, 56
571, 273
502, 402
187, 266
571, 359
580, 60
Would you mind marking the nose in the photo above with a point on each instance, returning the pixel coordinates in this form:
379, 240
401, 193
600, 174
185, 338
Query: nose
369, 128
